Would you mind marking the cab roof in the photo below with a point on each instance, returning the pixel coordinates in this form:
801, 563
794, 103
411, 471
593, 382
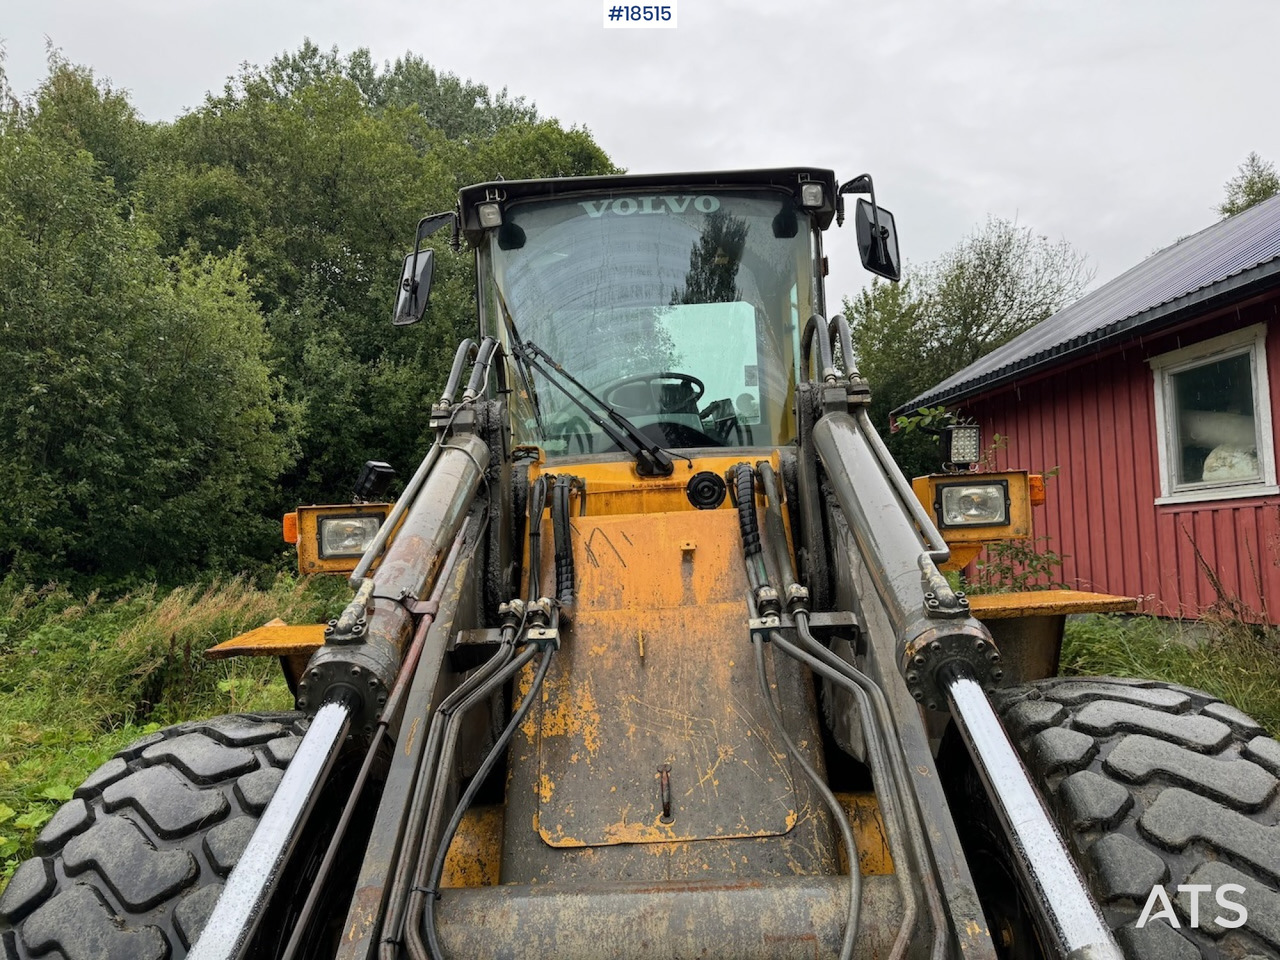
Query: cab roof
787, 178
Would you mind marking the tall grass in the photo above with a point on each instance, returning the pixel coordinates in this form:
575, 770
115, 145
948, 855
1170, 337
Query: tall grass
81, 677
1228, 658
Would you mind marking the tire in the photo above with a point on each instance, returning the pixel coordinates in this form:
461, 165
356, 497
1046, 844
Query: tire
1157, 784
131, 867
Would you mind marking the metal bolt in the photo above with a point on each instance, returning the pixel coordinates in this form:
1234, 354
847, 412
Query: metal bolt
932, 602
918, 694
382, 698
932, 705
930, 596
302, 701
664, 791
315, 673
936, 647
979, 644
302, 684
912, 676
373, 681
997, 673
919, 660
993, 656
356, 671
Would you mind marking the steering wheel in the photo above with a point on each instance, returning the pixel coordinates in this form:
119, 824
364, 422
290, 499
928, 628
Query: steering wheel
615, 393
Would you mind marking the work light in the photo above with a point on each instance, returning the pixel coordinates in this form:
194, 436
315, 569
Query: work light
811, 195
346, 536
973, 504
962, 444
490, 215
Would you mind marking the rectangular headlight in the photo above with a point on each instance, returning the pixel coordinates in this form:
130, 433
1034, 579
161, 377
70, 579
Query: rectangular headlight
973, 504
347, 536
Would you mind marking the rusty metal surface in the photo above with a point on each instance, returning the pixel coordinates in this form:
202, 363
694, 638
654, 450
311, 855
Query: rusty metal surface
273, 639
614, 487
655, 675
359, 940
413, 558
799, 917
863, 812
969, 936
1044, 603
475, 856
656, 671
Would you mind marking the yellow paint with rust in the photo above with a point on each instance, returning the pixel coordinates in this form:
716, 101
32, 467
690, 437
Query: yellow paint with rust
574, 712
274, 639
1047, 603
614, 487
863, 811
645, 691
475, 855
309, 559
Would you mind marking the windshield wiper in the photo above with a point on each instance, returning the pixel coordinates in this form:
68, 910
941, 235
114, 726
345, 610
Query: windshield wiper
651, 460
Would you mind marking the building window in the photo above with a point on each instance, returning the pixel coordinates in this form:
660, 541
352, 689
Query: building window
1213, 419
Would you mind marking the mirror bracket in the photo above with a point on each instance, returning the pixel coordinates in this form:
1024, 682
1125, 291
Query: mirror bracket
415, 275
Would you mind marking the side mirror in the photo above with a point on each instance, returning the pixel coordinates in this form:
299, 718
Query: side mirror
415, 285
415, 275
877, 240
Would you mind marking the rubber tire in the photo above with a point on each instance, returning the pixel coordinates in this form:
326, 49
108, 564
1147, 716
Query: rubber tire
130, 868
1154, 783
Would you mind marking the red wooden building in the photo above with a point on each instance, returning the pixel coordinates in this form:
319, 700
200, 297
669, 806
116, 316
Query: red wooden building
1157, 397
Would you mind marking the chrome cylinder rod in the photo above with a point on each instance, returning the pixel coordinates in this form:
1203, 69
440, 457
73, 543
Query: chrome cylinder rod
1069, 919
235, 917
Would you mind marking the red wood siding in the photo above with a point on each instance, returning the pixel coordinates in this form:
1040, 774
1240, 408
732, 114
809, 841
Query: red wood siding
1095, 422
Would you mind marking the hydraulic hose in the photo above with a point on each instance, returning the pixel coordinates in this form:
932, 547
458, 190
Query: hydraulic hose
883, 772
425, 896
563, 541
471, 691
839, 330
744, 496
537, 504
829, 798
816, 330
887, 791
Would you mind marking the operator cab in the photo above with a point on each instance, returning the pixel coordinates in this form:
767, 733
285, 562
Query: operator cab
674, 303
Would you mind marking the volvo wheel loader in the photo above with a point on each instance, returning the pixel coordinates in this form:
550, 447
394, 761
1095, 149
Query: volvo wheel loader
653, 658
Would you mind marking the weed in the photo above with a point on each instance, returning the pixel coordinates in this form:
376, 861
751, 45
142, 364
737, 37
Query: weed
82, 677
1226, 658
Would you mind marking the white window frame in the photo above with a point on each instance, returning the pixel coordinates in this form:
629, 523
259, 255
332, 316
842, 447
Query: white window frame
1251, 342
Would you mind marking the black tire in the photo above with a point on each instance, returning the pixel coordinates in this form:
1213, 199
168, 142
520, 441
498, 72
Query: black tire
130, 868
1158, 784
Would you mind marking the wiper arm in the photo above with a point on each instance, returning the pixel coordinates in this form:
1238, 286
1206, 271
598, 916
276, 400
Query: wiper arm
651, 460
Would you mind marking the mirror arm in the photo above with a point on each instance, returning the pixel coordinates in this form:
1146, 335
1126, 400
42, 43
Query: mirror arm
864, 184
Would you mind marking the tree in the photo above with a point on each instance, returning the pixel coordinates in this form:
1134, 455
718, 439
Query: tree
1255, 180
318, 168
999, 281
141, 430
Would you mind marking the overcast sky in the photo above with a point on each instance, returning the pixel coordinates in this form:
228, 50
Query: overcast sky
1111, 123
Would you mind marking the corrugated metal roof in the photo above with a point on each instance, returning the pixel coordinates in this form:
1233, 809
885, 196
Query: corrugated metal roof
1234, 255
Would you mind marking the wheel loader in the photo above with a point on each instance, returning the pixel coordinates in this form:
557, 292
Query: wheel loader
654, 657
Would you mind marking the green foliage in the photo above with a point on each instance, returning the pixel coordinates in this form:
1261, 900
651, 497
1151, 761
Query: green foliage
930, 420
143, 428
318, 168
82, 677
1226, 658
999, 281
1255, 180
196, 314
1011, 566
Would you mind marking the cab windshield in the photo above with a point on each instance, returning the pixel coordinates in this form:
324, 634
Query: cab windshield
681, 311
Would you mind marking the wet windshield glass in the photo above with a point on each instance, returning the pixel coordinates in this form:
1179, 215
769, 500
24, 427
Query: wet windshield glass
681, 311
